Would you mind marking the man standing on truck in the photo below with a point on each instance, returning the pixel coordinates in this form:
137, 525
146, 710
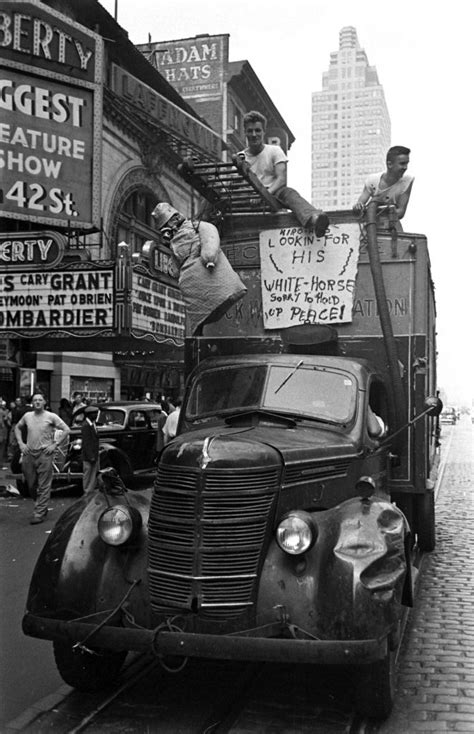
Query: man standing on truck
38, 451
269, 164
392, 187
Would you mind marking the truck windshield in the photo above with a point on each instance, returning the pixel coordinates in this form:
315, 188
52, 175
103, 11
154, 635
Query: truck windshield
309, 392
226, 389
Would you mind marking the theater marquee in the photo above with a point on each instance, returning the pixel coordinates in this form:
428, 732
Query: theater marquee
41, 297
67, 301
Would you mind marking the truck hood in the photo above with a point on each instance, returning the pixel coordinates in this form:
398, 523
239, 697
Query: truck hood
293, 444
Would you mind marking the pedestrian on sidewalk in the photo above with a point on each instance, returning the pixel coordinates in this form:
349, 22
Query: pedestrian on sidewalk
171, 424
38, 452
90, 449
4, 428
16, 411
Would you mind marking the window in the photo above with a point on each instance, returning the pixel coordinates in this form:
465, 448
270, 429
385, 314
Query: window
135, 224
138, 419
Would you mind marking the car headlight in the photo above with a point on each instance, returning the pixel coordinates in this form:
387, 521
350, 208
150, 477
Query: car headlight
119, 523
296, 533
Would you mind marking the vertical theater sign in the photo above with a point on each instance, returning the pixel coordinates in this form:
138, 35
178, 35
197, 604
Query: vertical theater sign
51, 74
50, 117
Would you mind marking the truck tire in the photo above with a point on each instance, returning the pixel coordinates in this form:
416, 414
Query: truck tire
425, 521
376, 687
87, 671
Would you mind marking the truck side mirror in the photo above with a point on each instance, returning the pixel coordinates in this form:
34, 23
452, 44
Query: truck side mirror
433, 405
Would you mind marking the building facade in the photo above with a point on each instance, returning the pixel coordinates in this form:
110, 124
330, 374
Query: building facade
91, 140
92, 136
350, 127
219, 90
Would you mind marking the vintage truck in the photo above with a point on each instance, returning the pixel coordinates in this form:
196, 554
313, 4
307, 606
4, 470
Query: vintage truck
286, 513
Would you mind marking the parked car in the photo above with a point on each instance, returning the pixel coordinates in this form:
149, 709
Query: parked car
449, 415
127, 439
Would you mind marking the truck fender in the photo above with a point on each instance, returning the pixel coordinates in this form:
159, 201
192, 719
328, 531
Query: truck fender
111, 455
78, 574
350, 583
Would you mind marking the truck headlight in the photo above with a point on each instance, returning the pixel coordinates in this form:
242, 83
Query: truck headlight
119, 523
296, 533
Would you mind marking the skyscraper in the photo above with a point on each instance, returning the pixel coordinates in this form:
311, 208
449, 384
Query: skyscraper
350, 126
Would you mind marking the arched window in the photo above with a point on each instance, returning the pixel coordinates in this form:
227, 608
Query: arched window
135, 223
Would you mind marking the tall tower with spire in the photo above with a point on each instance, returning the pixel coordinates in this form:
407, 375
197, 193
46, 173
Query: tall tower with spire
350, 126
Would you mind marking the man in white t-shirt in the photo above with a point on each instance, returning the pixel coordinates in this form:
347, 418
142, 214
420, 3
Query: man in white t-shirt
269, 163
38, 451
171, 424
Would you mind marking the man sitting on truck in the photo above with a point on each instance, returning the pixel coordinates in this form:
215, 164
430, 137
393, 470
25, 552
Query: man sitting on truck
392, 187
269, 163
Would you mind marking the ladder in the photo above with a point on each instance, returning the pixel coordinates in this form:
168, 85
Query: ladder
231, 188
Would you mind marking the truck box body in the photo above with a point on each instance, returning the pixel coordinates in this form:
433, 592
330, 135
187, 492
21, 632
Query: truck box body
410, 295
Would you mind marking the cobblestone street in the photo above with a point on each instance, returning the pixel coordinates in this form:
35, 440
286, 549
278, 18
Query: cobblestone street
436, 670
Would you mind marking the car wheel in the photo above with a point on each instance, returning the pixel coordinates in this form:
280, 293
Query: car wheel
376, 687
87, 671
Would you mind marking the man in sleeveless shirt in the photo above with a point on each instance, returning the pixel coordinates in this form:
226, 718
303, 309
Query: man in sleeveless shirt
392, 187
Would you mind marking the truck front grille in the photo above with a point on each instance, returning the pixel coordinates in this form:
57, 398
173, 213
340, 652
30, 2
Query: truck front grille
315, 471
206, 537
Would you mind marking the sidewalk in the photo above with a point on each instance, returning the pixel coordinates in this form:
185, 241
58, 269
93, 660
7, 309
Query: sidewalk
6, 479
436, 664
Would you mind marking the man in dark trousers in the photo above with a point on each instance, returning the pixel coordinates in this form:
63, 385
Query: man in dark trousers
90, 449
38, 451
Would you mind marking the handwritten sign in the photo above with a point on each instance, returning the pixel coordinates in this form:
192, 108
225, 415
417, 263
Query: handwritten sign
306, 280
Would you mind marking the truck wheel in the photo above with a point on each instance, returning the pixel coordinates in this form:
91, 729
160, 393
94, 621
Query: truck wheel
375, 687
425, 521
87, 671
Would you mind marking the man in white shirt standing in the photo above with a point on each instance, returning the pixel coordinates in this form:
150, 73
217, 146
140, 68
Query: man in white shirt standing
171, 423
38, 452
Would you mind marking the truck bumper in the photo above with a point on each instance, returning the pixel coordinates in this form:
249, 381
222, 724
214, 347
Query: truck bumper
224, 647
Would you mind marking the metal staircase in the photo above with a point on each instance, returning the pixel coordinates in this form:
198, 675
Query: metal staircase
231, 188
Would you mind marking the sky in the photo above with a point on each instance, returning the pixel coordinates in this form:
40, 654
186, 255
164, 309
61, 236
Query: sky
422, 50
